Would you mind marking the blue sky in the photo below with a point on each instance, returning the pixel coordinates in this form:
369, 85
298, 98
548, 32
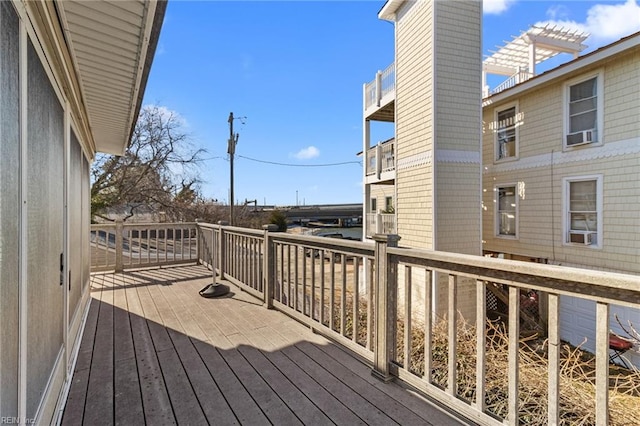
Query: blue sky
295, 70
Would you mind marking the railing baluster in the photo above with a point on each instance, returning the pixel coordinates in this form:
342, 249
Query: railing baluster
602, 364
514, 342
304, 280
481, 343
428, 320
296, 273
370, 301
289, 298
407, 317
452, 321
332, 293
322, 292
343, 295
554, 359
356, 298
312, 314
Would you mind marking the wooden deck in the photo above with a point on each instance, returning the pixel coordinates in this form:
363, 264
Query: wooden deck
154, 352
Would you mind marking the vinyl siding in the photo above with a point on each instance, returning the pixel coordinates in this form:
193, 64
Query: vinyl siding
414, 122
458, 106
617, 160
438, 69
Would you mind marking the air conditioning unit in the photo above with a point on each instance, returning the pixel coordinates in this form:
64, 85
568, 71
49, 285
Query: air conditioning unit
585, 238
581, 137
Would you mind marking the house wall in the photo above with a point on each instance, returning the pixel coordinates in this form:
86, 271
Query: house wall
438, 113
43, 168
414, 123
543, 164
539, 172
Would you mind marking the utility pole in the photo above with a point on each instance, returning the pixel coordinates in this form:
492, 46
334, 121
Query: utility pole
231, 150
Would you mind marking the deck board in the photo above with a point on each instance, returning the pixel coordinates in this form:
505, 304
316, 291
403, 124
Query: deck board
154, 352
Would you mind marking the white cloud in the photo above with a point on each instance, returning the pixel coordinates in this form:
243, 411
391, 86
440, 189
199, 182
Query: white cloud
558, 11
307, 153
496, 7
167, 114
605, 22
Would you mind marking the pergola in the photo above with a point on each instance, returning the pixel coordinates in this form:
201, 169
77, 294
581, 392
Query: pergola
532, 47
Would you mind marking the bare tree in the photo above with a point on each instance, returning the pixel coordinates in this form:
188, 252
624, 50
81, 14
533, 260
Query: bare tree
157, 173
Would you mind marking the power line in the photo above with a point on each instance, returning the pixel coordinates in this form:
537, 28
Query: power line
300, 165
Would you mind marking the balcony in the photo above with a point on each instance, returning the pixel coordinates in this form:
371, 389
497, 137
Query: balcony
380, 95
380, 223
381, 162
155, 352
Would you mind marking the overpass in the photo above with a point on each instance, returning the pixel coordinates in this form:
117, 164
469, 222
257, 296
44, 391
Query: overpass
344, 214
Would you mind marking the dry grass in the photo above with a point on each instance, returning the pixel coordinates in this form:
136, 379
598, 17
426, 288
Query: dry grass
577, 376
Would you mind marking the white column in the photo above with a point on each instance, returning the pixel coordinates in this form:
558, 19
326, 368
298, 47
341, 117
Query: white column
532, 59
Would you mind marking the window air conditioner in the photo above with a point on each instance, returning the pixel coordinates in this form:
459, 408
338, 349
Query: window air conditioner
585, 238
581, 137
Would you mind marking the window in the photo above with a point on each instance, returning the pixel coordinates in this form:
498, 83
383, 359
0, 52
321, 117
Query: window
388, 205
583, 201
506, 133
507, 211
374, 205
584, 111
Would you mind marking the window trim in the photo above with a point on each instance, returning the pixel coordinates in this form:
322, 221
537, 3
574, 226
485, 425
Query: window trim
373, 204
496, 190
496, 131
599, 75
599, 210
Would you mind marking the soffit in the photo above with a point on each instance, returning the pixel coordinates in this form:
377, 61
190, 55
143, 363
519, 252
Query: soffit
112, 44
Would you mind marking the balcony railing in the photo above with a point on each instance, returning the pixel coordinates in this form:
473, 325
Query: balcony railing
381, 158
380, 223
378, 88
364, 296
119, 246
517, 78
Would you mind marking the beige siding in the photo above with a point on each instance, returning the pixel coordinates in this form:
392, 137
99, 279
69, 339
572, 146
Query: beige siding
458, 106
438, 70
414, 74
542, 165
622, 98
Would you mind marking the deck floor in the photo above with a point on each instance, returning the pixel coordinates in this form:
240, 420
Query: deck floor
154, 352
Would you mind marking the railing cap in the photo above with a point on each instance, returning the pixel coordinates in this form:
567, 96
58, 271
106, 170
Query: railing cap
386, 238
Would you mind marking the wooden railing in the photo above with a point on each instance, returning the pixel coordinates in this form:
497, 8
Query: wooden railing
391, 304
120, 246
382, 85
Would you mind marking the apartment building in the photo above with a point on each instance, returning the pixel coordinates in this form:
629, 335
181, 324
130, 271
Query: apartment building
561, 168
549, 174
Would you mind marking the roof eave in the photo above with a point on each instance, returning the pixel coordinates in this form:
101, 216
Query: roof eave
388, 11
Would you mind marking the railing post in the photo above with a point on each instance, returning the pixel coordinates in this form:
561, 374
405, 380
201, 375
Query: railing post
222, 249
198, 243
385, 293
379, 223
378, 160
378, 87
268, 266
119, 244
